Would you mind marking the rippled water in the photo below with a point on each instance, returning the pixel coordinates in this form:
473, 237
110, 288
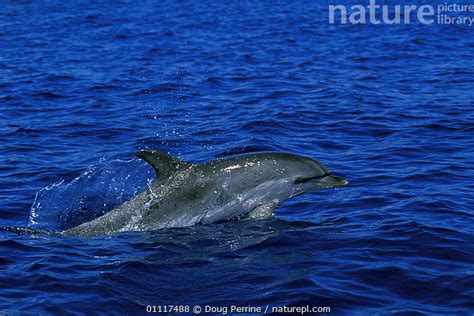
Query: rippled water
84, 86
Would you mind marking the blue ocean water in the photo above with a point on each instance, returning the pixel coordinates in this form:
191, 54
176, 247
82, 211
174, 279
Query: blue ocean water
83, 86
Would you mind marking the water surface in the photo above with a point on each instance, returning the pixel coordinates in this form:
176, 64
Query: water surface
84, 86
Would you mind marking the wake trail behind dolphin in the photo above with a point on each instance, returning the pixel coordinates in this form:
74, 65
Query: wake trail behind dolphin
29, 231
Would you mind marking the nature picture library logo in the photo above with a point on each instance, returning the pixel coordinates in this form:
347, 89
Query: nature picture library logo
374, 13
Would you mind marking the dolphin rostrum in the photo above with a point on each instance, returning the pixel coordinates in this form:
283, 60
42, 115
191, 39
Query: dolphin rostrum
186, 194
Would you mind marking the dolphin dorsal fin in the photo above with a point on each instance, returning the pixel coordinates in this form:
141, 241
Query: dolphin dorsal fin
163, 163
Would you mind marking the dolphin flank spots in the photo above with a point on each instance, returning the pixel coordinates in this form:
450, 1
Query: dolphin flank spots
186, 194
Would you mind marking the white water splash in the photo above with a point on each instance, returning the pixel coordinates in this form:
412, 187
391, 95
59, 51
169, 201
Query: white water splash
96, 191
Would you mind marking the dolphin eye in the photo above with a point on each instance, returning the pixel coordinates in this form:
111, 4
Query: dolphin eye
302, 180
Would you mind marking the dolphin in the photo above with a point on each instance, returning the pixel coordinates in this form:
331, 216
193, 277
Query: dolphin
186, 194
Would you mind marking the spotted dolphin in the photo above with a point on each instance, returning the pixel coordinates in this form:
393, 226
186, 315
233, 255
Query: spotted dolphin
186, 194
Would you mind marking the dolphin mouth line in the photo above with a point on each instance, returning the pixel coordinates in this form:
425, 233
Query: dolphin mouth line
328, 180
304, 180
